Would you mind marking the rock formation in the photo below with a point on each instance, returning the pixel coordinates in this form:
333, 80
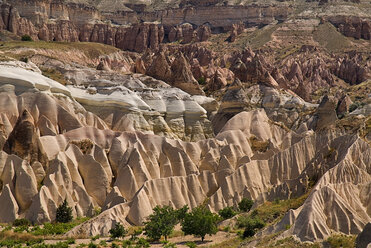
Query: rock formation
178, 114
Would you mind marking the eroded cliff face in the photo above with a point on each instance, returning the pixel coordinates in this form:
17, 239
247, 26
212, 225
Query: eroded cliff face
59, 21
126, 143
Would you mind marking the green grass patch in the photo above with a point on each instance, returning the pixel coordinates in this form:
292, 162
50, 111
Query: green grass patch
261, 36
271, 211
341, 241
55, 228
327, 36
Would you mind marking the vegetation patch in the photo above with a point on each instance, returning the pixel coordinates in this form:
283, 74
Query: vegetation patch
54, 74
327, 36
245, 204
118, 231
55, 228
258, 145
200, 222
227, 213
85, 145
64, 213
341, 241
272, 211
9, 239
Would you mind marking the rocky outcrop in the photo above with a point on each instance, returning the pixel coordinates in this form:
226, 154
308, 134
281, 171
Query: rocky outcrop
237, 29
182, 76
354, 27
187, 34
326, 112
160, 67
343, 105
178, 73
352, 68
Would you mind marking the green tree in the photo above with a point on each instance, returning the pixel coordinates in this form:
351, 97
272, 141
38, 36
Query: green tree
227, 212
118, 231
64, 213
245, 204
199, 222
161, 222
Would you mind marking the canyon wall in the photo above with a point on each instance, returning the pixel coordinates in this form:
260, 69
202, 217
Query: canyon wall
51, 20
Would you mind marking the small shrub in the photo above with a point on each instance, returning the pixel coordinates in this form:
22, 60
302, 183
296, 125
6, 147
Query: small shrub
24, 59
97, 211
353, 106
55, 228
227, 213
201, 81
118, 231
70, 241
92, 245
248, 232
103, 243
20, 229
115, 245
245, 204
251, 226
60, 245
94, 237
26, 37
21, 222
169, 245
191, 244
126, 243
142, 243
254, 213
136, 233
64, 213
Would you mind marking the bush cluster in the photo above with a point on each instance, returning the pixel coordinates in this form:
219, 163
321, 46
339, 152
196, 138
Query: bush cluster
227, 212
250, 224
26, 37
118, 231
21, 222
245, 204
